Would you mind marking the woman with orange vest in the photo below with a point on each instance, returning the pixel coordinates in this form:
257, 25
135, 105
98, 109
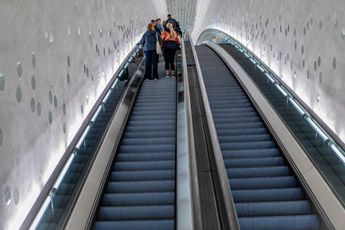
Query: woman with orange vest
171, 43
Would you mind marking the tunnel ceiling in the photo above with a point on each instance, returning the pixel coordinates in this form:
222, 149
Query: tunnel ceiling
183, 11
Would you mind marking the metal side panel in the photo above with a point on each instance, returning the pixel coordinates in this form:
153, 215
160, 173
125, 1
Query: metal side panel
305, 169
81, 216
184, 173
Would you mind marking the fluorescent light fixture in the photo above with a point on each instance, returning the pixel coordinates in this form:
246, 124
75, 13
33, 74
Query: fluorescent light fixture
281, 90
252, 60
115, 83
40, 214
130, 59
245, 54
269, 77
297, 107
81, 140
317, 129
260, 68
64, 171
96, 114
107, 96
126, 66
339, 154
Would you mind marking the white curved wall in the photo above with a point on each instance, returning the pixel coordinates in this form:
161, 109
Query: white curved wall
302, 41
55, 59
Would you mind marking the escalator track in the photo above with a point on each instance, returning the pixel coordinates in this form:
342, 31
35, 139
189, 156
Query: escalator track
265, 191
140, 191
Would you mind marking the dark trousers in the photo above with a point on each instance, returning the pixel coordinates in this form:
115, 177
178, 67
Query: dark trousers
151, 59
169, 57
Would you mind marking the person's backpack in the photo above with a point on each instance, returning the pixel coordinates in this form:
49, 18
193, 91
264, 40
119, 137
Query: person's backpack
171, 45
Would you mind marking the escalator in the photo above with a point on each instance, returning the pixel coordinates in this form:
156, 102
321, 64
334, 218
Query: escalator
264, 189
140, 191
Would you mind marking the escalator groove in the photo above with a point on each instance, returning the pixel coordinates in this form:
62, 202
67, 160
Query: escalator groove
140, 191
265, 191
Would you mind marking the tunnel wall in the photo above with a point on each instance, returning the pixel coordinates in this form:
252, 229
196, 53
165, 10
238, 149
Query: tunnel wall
303, 42
56, 57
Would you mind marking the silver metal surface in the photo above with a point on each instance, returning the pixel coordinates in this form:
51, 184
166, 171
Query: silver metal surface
184, 205
196, 207
298, 159
226, 195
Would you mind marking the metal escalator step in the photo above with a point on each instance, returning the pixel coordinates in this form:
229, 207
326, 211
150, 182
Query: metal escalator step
142, 175
260, 195
136, 212
298, 222
283, 208
118, 199
262, 182
135, 225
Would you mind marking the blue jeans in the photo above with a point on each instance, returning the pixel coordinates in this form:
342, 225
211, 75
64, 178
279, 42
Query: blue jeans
151, 59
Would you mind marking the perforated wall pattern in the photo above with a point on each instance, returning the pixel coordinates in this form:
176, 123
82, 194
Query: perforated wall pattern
56, 57
302, 41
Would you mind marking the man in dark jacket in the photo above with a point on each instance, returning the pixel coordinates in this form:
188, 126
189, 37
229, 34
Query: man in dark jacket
149, 40
176, 25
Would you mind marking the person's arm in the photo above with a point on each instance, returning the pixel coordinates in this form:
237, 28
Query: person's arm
178, 40
162, 36
159, 39
142, 41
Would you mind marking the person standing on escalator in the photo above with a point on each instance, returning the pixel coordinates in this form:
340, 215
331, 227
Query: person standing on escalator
171, 43
149, 40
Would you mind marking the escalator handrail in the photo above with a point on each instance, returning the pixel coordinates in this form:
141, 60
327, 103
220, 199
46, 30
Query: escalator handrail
229, 218
46, 191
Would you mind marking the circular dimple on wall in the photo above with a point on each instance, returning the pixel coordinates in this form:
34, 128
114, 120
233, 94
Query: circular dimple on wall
308, 74
33, 82
64, 127
303, 63
2, 82
334, 63
315, 65
39, 109
1, 137
19, 94
55, 101
304, 31
64, 108
343, 33
82, 109
19, 69
16, 196
320, 77
68, 61
33, 59
302, 49
68, 79
7, 195
50, 97
295, 44
320, 24
50, 117
33, 105
319, 61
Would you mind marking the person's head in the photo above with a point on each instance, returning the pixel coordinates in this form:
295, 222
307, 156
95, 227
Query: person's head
150, 27
171, 28
163, 23
153, 22
169, 15
159, 20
